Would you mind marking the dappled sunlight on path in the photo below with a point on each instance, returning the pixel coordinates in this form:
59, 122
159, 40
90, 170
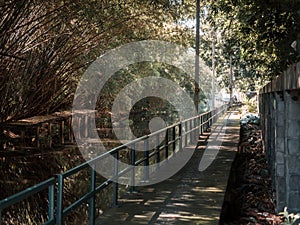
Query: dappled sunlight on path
190, 196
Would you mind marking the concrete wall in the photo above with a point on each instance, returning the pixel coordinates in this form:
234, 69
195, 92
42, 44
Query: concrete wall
280, 113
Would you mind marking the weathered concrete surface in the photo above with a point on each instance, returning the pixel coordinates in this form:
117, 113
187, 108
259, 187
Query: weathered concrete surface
189, 197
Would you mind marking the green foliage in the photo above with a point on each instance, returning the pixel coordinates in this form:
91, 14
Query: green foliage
49, 44
257, 34
289, 218
145, 109
252, 105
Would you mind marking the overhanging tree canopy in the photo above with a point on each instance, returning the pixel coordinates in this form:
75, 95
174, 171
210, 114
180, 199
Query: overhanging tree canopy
49, 44
262, 31
45, 46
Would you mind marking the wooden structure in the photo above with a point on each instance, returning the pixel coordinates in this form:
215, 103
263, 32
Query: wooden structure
82, 122
38, 131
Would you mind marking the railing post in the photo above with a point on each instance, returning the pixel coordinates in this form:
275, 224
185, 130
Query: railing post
92, 204
180, 136
191, 133
50, 203
204, 122
196, 132
115, 183
201, 124
198, 127
207, 119
132, 163
214, 116
167, 145
60, 197
146, 162
174, 138
158, 150
185, 134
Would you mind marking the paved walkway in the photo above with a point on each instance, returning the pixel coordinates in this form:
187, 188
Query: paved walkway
190, 196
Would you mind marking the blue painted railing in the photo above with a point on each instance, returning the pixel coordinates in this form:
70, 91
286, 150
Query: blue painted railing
180, 134
48, 184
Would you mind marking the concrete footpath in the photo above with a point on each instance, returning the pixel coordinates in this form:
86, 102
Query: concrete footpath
190, 196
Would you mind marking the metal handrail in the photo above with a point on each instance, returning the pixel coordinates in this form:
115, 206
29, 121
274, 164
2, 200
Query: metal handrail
188, 132
50, 184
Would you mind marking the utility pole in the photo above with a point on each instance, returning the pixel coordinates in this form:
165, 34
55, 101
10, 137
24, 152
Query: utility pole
197, 70
213, 91
213, 86
231, 80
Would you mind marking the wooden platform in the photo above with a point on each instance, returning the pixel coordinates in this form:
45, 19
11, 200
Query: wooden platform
31, 132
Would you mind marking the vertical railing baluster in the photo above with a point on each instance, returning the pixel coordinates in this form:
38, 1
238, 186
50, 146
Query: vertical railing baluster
191, 133
173, 139
60, 196
195, 130
198, 124
92, 204
186, 133
158, 151
132, 163
201, 124
216, 115
198, 127
180, 136
206, 122
167, 145
116, 177
146, 162
51, 199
